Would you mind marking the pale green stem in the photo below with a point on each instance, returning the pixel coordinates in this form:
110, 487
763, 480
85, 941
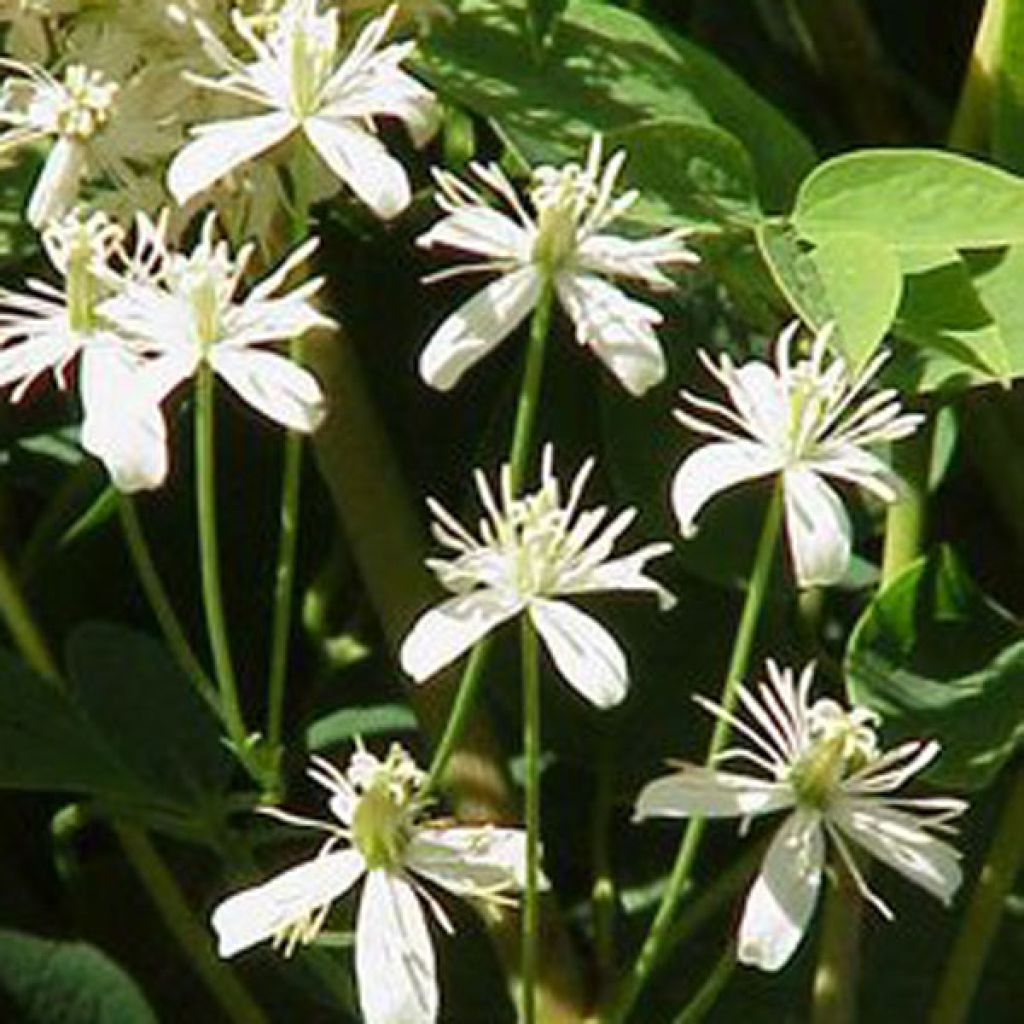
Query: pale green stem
522, 444
193, 937
836, 975
209, 560
291, 478
700, 1005
26, 635
160, 603
985, 911
661, 928
531, 759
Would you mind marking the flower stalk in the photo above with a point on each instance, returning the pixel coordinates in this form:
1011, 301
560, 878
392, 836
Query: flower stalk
531, 757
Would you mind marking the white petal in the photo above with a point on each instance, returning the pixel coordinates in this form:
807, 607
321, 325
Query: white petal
585, 653
57, 185
478, 326
362, 162
619, 329
395, 965
481, 231
820, 537
123, 423
279, 388
758, 394
859, 467
696, 791
713, 468
625, 573
469, 861
220, 147
897, 838
782, 898
254, 915
444, 633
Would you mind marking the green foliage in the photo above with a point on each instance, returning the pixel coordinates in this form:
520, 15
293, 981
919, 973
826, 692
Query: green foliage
44, 982
937, 658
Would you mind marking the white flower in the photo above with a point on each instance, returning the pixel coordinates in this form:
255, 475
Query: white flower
50, 328
821, 763
806, 421
184, 310
377, 836
562, 242
297, 74
530, 552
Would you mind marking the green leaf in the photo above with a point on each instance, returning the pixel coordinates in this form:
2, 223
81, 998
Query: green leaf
542, 16
957, 342
685, 172
340, 727
912, 198
44, 982
606, 69
863, 283
936, 658
794, 272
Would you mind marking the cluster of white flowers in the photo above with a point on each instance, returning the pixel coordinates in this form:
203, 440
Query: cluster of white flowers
144, 103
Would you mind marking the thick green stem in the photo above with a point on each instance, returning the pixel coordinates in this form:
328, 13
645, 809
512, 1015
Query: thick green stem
836, 976
209, 561
291, 478
984, 913
700, 1005
679, 880
522, 445
193, 937
531, 758
160, 603
27, 636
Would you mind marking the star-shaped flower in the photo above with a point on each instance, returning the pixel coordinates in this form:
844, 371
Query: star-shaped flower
378, 835
821, 763
532, 552
310, 88
807, 421
564, 242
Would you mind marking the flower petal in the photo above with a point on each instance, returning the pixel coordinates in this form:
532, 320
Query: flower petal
123, 423
57, 186
395, 966
860, 467
279, 388
699, 792
782, 898
362, 162
713, 468
619, 329
899, 840
820, 536
478, 326
446, 632
254, 915
470, 861
588, 657
481, 231
218, 148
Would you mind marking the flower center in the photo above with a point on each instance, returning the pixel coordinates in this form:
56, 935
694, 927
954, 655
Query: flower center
561, 197
86, 101
534, 535
80, 248
844, 743
310, 42
380, 824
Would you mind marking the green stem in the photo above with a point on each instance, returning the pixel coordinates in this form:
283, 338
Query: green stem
836, 975
160, 604
984, 913
522, 443
27, 636
193, 938
679, 880
531, 757
291, 478
209, 560
706, 997
602, 891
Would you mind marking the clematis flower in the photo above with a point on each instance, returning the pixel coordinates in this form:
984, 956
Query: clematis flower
821, 763
377, 836
308, 87
184, 311
808, 421
532, 552
562, 243
46, 328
